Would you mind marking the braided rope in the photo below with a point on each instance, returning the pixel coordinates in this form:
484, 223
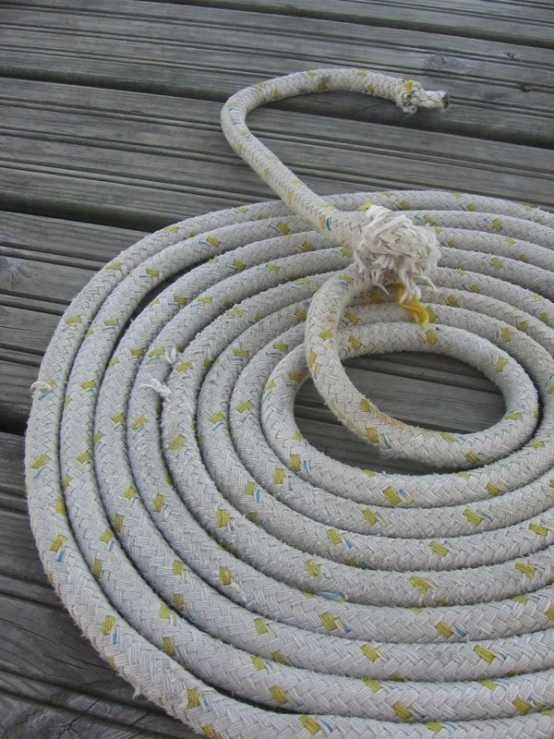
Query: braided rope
234, 574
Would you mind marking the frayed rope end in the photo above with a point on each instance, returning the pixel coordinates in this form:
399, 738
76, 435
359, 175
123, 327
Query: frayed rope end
410, 96
392, 251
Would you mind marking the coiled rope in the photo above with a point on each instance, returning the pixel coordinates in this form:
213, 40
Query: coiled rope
234, 574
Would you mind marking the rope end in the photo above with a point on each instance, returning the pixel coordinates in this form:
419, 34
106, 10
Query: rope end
412, 96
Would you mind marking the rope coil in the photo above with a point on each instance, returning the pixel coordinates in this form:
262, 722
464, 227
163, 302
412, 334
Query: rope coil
234, 574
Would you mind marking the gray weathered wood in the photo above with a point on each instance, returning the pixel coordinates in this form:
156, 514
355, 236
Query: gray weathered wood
524, 22
111, 185
278, 32
25, 330
18, 555
90, 159
11, 469
426, 367
86, 53
27, 278
43, 646
435, 406
181, 135
271, 34
39, 638
351, 165
129, 205
59, 239
25, 590
32, 709
338, 443
11, 473
25, 333
16, 378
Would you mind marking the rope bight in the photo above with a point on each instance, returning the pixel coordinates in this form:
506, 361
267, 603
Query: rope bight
234, 574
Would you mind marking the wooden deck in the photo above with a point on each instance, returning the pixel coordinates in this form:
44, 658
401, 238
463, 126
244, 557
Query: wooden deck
109, 128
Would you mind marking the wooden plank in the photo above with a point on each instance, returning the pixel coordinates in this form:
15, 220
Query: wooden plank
110, 184
23, 719
27, 324
18, 555
272, 34
435, 392
44, 658
188, 131
414, 401
347, 166
25, 590
185, 22
27, 278
431, 368
21, 573
515, 109
25, 330
167, 22
516, 114
360, 15
11, 473
340, 444
45, 645
99, 199
453, 407
521, 22
15, 400
61, 241
11, 469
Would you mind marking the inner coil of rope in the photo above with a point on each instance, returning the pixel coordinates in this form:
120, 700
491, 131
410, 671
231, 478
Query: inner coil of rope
234, 574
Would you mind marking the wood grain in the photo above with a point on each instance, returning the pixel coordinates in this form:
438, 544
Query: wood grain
59, 241
149, 185
77, 42
183, 136
15, 399
109, 129
36, 709
523, 22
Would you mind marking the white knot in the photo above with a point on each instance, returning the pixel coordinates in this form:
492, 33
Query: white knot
158, 387
391, 249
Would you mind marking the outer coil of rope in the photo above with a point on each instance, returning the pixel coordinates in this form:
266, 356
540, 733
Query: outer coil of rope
234, 574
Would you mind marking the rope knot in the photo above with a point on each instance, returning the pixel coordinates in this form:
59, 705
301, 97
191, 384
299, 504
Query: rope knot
391, 250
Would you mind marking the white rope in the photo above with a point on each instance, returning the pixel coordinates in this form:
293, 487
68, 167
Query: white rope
239, 577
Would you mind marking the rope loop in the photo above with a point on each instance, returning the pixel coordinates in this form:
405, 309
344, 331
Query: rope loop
234, 573
389, 247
